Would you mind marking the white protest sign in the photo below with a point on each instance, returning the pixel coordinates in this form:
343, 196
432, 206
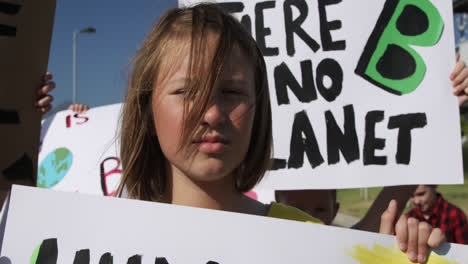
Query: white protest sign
360, 91
80, 153
81, 229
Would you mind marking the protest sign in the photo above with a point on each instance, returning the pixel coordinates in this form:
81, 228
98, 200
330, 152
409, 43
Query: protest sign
25, 33
360, 91
79, 151
381, 143
75, 228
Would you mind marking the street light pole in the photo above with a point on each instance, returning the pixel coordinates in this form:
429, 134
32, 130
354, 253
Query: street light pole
75, 34
89, 30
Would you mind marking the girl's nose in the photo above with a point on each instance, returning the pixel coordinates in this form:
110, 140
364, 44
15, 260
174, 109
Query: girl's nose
214, 115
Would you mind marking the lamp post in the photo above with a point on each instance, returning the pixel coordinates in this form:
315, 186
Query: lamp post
89, 30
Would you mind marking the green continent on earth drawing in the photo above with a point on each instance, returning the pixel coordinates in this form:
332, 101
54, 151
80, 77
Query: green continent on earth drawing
54, 167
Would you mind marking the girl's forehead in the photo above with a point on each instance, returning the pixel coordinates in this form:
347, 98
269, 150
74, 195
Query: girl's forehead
175, 64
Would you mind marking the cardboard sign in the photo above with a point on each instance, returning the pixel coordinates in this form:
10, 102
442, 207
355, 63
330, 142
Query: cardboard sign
25, 33
45, 226
360, 91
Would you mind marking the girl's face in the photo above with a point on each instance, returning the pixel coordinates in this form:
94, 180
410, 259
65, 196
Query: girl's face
223, 137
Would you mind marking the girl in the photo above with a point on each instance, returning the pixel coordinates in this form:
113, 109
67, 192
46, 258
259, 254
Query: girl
196, 123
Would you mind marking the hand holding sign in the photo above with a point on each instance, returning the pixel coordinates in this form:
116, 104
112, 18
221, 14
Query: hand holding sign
413, 237
44, 98
459, 78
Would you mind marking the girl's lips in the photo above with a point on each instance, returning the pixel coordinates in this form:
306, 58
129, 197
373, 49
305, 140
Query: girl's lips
211, 147
211, 144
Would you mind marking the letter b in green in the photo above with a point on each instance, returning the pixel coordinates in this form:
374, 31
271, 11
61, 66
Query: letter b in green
388, 61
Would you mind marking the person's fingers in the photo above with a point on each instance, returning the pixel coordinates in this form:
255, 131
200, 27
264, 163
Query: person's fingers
47, 77
412, 252
424, 231
462, 99
44, 101
79, 108
46, 88
72, 107
458, 90
401, 231
45, 109
82, 108
387, 219
436, 238
457, 69
457, 56
460, 77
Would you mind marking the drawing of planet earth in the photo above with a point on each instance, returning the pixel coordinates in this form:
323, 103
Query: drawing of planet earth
54, 167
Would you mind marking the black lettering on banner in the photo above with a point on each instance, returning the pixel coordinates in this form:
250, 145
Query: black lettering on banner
330, 68
8, 9
82, 257
232, 7
299, 145
212, 262
237, 7
412, 21
48, 252
337, 140
294, 26
261, 31
405, 123
371, 46
371, 143
389, 61
106, 259
161, 261
327, 26
388, 65
277, 164
135, 259
285, 78
9, 117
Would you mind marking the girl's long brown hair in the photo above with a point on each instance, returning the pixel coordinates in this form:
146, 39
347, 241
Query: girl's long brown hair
144, 165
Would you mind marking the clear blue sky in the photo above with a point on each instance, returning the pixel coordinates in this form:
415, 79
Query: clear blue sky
101, 58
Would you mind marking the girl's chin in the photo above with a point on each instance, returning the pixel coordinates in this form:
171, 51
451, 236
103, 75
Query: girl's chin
209, 176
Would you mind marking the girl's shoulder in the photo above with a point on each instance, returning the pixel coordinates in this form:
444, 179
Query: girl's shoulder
282, 211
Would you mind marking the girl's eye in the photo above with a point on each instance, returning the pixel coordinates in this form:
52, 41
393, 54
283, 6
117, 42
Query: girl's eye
232, 92
180, 91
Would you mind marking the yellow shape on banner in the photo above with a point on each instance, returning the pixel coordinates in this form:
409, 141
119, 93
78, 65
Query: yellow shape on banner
383, 255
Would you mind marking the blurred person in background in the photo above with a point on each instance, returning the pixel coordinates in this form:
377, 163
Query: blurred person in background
430, 207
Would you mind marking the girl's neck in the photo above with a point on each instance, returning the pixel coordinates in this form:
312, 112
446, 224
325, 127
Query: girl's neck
218, 195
